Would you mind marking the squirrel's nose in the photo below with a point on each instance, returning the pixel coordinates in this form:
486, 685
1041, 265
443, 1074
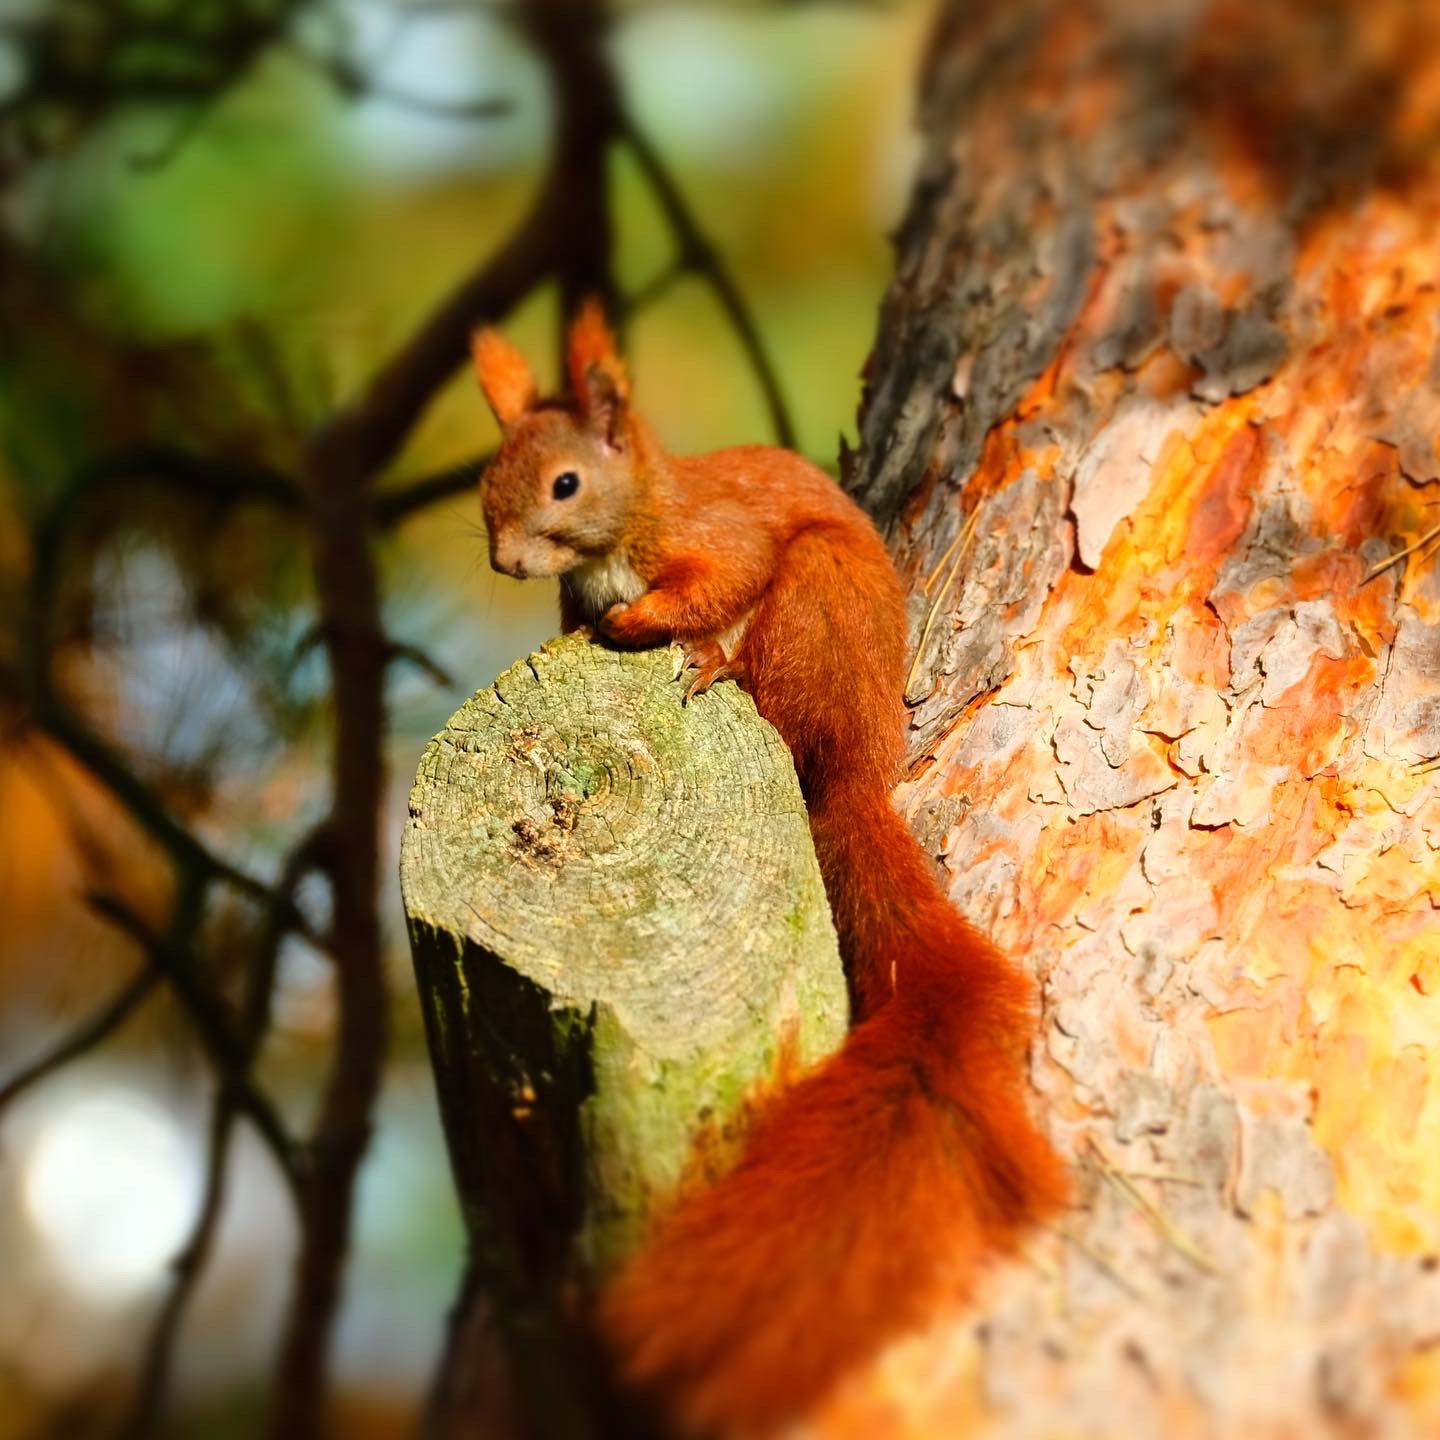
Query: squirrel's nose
505, 557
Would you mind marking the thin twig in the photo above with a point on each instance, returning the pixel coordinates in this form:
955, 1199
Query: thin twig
396, 651
101, 1024
1399, 555
144, 1412
58, 72
1102, 1263
175, 964
391, 507
145, 807
961, 538
225, 484
308, 855
414, 655
1164, 1226
657, 286
186, 1268
1165, 1177
699, 255
189, 1264
368, 433
186, 129
352, 82
190, 475
958, 546
1428, 554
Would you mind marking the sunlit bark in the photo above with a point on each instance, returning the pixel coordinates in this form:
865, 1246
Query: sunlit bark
1156, 394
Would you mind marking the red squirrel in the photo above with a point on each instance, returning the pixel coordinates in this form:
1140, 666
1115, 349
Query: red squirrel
876, 1184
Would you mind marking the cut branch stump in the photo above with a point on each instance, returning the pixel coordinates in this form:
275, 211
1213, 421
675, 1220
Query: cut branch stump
620, 936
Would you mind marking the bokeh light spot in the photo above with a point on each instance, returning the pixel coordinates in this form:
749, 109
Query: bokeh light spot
110, 1185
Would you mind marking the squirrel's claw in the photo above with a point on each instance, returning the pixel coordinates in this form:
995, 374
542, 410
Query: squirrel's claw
711, 665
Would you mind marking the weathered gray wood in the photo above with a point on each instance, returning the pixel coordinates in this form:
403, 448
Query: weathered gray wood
620, 933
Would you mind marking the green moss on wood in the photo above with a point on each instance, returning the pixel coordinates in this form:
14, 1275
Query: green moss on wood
618, 925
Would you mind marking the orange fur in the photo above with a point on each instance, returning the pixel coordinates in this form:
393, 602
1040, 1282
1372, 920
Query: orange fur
591, 348
504, 375
880, 1181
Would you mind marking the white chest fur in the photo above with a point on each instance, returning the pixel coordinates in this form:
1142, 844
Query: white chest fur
598, 584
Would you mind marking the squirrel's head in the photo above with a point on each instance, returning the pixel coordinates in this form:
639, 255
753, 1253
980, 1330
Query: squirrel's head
561, 488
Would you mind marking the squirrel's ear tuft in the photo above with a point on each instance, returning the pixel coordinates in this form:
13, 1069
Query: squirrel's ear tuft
597, 374
504, 375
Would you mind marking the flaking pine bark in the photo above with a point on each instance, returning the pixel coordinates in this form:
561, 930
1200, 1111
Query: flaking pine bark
1156, 397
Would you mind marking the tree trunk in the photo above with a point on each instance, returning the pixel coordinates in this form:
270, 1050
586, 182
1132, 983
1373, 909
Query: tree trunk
1156, 393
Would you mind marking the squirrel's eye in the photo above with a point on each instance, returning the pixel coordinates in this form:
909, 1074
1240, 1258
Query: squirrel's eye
565, 485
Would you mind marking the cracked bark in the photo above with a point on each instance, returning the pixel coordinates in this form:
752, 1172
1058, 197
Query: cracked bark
1166, 324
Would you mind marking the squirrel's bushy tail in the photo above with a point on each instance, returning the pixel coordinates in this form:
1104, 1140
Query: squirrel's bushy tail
869, 1190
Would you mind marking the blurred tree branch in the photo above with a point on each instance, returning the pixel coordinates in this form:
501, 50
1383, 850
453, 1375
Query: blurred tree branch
80, 60
226, 1107
697, 255
173, 959
186, 1269
83, 62
49, 712
393, 507
103, 1022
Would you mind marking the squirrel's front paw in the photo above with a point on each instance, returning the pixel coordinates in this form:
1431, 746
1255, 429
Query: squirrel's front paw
627, 625
612, 624
710, 664
637, 625
634, 626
